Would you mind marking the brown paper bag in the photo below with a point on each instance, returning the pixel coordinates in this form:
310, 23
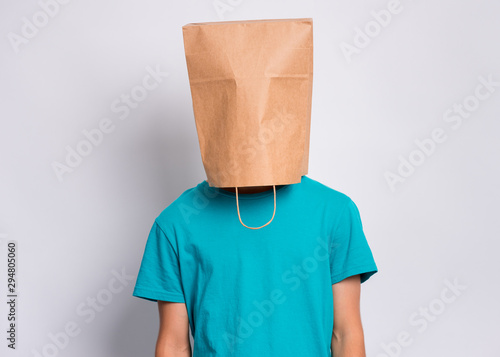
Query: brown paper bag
251, 86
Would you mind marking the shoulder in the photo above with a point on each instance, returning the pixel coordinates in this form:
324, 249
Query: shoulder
324, 192
175, 213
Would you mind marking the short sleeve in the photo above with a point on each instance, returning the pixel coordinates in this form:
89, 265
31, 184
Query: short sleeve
159, 273
350, 253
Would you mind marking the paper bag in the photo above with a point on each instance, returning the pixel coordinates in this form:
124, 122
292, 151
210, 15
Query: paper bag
251, 87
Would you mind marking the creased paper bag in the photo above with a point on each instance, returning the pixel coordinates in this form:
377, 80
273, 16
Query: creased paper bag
251, 87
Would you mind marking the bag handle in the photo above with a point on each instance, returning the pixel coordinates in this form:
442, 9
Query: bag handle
238, 208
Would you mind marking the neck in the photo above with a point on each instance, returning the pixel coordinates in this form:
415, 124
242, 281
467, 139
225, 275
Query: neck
248, 189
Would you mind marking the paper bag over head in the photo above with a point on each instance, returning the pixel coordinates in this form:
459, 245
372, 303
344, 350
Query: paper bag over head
251, 86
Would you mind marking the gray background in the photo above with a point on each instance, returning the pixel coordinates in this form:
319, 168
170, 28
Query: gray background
437, 227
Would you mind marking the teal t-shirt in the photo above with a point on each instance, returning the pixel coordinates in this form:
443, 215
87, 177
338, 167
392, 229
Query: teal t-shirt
256, 292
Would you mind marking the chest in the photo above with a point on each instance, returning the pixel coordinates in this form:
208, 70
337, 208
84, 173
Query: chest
222, 250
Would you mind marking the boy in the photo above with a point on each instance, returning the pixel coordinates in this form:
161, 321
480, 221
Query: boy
277, 292
290, 287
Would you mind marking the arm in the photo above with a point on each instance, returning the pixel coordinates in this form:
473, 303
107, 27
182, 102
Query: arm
173, 337
347, 338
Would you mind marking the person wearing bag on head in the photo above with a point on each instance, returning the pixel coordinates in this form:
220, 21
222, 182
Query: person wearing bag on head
259, 259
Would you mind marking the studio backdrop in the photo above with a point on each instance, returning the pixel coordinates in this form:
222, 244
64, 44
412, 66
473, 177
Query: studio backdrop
98, 136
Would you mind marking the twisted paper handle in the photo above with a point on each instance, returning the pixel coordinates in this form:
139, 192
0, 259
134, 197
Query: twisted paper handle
238, 208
